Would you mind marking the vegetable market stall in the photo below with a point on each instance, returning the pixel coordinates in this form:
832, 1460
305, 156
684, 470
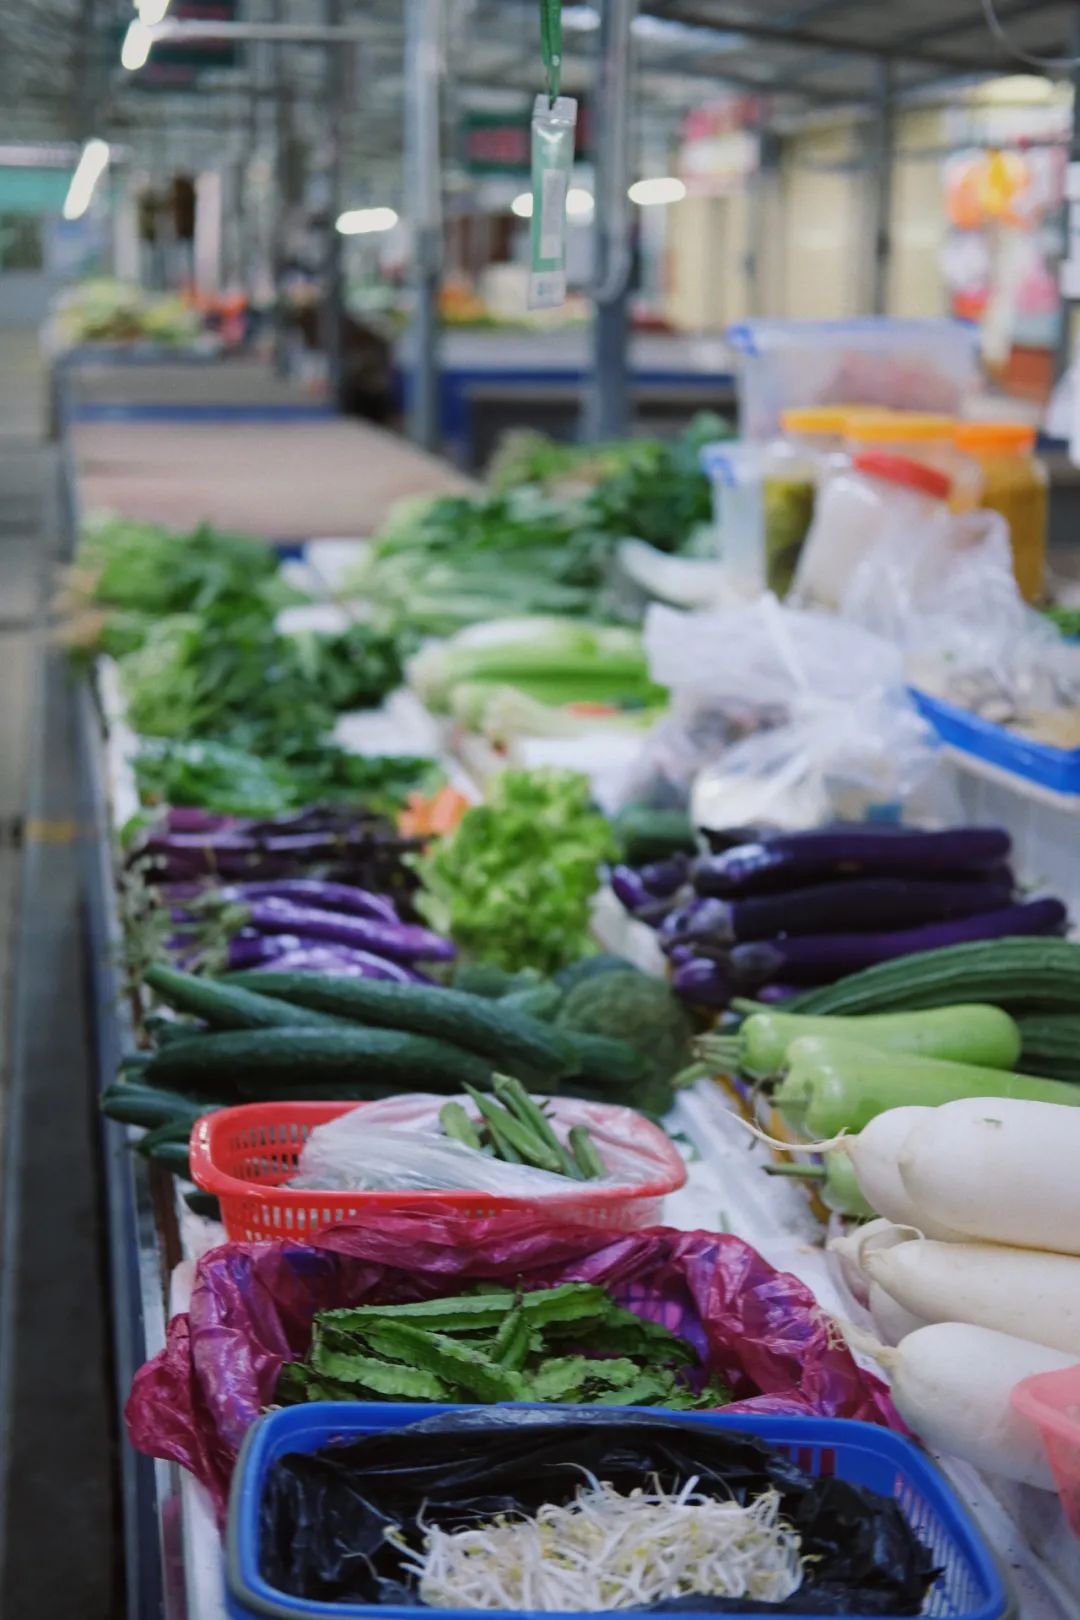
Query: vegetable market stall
725, 1190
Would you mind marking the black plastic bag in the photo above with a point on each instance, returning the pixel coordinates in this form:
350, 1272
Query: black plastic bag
323, 1516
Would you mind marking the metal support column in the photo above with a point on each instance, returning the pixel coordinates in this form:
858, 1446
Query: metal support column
1064, 352
282, 124
423, 176
333, 332
879, 189
607, 407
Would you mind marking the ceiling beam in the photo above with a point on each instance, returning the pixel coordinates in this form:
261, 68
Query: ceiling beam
775, 33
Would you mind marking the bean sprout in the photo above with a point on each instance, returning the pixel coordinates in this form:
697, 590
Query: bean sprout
608, 1551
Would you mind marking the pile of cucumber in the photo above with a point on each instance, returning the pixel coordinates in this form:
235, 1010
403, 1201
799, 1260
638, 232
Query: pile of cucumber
256, 1036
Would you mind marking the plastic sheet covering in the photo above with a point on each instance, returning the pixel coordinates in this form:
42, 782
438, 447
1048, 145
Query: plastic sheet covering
323, 1516
398, 1143
252, 1308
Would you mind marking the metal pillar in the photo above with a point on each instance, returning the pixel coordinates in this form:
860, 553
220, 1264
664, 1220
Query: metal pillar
279, 204
423, 178
606, 405
333, 333
1063, 354
879, 190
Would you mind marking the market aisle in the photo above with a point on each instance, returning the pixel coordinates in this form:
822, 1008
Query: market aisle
57, 1434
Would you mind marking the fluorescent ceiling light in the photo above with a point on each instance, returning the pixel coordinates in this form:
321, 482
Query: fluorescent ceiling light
366, 221
579, 204
151, 12
135, 51
93, 161
665, 189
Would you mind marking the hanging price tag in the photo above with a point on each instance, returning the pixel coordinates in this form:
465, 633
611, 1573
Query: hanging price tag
553, 126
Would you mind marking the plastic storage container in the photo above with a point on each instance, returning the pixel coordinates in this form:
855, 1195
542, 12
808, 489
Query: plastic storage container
884, 361
855, 506
812, 440
920, 436
737, 472
1014, 483
245, 1155
1052, 1402
969, 1586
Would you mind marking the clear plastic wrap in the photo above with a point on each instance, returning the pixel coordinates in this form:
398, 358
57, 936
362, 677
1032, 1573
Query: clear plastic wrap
398, 1144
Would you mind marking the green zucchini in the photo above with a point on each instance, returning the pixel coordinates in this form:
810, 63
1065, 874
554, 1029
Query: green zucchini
1050, 1044
510, 1039
225, 1005
1009, 973
303, 1062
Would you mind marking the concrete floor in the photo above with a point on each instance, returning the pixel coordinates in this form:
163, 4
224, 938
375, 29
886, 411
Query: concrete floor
58, 1541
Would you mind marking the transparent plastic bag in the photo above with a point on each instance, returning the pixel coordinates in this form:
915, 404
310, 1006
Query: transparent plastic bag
397, 1144
899, 364
786, 717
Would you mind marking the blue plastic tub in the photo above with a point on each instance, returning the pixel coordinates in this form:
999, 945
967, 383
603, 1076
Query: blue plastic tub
970, 1586
1056, 768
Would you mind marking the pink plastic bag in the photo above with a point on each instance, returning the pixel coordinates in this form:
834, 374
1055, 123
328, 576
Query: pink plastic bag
252, 1307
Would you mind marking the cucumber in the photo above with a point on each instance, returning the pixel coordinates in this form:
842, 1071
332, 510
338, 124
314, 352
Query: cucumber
302, 1062
173, 1156
652, 835
203, 1203
226, 1006
133, 1103
509, 1039
1030, 972
169, 1132
542, 1001
600, 1061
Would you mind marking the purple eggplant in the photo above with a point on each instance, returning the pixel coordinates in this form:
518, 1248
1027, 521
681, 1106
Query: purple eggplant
868, 905
693, 920
248, 949
821, 958
772, 995
704, 982
311, 958
662, 879
629, 890
792, 859
678, 954
313, 892
401, 942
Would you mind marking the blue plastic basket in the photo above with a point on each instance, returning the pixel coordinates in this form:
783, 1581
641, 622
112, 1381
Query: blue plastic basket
1056, 768
970, 1586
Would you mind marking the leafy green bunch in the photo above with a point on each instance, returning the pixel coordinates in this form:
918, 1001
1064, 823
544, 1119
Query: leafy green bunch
514, 881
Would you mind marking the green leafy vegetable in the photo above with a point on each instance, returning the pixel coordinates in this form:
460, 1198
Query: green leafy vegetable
570, 1343
236, 782
513, 882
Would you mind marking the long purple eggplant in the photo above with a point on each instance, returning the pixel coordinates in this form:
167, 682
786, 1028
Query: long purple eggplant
821, 958
248, 949
704, 982
401, 942
307, 958
864, 905
341, 897
792, 859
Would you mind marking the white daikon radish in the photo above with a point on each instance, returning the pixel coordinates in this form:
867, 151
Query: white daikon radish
951, 1383
847, 1249
1021, 1291
891, 1320
999, 1169
875, 1158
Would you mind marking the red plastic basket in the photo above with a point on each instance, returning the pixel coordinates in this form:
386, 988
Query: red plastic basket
243, 1155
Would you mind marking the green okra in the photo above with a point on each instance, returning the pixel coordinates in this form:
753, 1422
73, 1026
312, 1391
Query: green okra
583, 1148
505, 1129
514, 1097
459, 1127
